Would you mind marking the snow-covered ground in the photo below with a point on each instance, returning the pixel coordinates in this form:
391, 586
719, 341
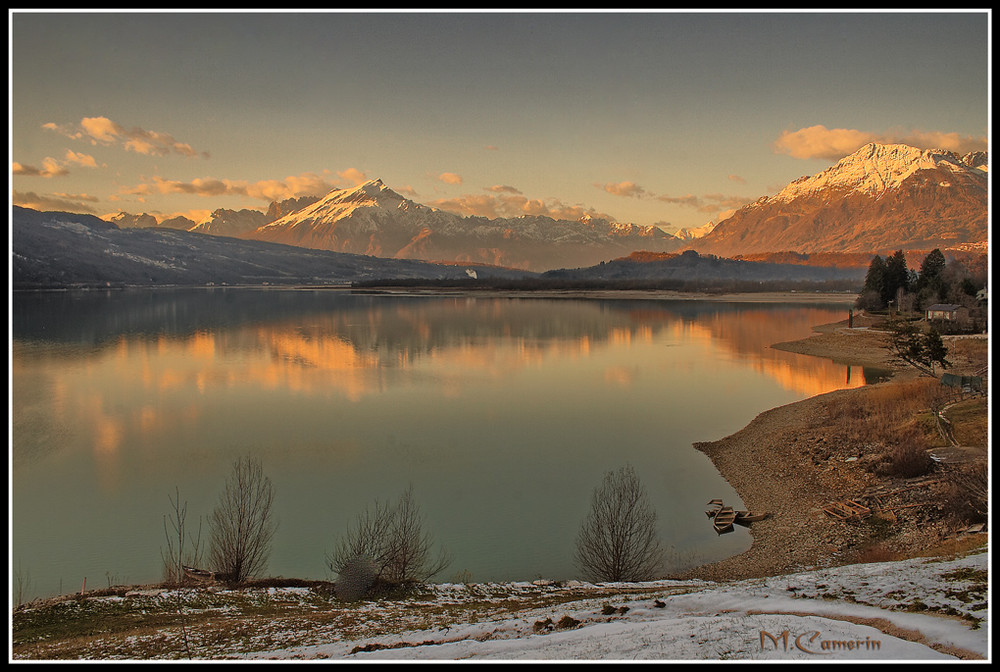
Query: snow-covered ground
927, 609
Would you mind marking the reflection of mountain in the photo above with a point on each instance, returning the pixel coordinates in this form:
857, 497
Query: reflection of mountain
348, 333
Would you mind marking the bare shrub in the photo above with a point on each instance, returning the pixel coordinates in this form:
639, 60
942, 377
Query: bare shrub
618, 540
355, 579
176, 554
242, 526
392, 537
908, 458
967, 492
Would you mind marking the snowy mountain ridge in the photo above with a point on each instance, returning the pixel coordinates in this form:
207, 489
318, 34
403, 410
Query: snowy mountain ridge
875, 169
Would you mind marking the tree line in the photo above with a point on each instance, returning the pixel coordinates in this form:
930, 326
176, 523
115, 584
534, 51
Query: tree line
891, 284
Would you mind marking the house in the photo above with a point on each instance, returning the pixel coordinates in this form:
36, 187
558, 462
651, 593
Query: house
947, 311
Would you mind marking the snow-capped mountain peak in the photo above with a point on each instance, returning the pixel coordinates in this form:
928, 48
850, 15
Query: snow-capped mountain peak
875, 169
881, 197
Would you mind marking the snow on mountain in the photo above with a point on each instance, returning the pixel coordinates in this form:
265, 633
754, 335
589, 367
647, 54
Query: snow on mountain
225, 222
373, 219
879, 199
695, 232
125, 220
875, 169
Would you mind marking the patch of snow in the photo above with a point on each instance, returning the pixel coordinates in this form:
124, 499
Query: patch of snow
828, 614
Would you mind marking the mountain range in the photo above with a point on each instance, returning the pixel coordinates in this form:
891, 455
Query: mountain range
879, 199
373, 219
62, 249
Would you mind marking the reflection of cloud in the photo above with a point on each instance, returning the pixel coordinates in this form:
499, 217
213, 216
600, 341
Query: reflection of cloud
618, 375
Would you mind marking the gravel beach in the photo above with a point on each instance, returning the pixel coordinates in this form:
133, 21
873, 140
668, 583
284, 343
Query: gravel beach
784, 462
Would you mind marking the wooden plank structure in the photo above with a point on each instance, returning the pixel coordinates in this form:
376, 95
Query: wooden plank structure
848, 509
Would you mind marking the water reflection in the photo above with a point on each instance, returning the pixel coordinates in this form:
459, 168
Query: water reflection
500, 410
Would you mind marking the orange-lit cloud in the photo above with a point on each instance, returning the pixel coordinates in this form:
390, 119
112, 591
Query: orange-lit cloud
84, 160
101, 130
820, 142
293, 186
503, 189
450, 178
626, 189
50, 168
352, 175
737, 178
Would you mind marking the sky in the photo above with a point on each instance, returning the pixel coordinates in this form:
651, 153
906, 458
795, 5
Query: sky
664, 118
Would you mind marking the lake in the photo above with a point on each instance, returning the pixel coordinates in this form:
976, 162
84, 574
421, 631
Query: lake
502, 413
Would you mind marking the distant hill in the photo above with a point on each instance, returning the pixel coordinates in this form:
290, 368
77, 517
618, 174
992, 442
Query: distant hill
693, 267
61, 249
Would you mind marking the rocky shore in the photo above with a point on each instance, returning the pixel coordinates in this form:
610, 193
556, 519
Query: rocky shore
785, 462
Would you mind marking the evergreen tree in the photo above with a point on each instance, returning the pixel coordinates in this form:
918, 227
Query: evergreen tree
897, 276
931, 276
871, 295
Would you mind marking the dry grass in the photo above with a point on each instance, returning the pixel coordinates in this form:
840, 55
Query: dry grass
890, 422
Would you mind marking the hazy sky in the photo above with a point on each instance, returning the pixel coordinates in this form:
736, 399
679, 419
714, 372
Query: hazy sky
652, 118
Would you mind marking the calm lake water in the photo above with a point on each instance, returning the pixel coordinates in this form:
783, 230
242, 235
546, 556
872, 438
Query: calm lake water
502, 413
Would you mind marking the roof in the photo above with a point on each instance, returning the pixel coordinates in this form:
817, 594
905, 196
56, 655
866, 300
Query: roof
944, 306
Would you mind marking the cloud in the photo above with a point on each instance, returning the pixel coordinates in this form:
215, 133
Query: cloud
80, 159
101, 130
820, 142
59, 202
407, 190
293, 186
352, 175
50, 168
503, 188
626, 189
689, 200
492, 148
450, 178
737, 178
708, 203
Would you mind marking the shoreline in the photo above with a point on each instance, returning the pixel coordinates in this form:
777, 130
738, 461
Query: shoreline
772, 463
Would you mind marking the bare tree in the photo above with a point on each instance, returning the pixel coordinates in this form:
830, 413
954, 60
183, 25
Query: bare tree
618, 540
175, 557
242, 525
392, 538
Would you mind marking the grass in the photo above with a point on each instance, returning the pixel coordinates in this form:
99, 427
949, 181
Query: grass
969, 422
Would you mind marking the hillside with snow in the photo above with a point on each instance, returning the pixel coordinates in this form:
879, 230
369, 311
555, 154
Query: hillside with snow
879, 199
920, 610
